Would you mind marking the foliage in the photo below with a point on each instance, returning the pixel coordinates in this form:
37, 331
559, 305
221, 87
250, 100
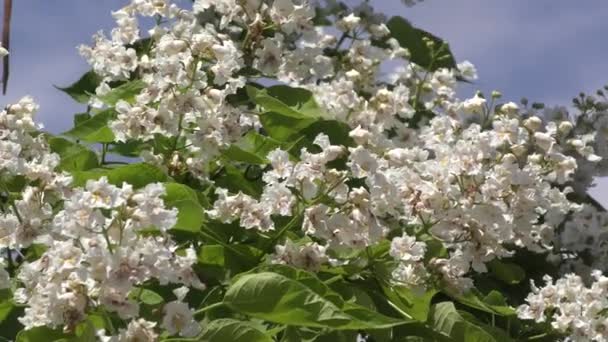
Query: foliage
240, 175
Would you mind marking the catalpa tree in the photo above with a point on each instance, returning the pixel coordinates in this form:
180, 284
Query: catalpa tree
255, 171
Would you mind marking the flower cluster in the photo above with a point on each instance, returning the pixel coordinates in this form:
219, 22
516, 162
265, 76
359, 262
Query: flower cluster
97, 254
371, 173
571, 306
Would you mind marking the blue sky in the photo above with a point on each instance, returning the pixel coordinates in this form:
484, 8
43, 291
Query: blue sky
545, 50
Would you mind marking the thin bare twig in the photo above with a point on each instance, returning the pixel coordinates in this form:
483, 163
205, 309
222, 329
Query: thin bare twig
6, 37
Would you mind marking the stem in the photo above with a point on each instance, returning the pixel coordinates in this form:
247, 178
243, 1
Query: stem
208, 307
341, 40
178, 135
104, 151
333, 279
107, 238
16, 212
11, 265
285, 228
115, 162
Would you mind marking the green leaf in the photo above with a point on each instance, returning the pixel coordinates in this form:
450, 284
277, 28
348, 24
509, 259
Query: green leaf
85, 332
130, 148
148, 297
413, 39
82, 89
94, 129
232, 330
473, 300
6, 307
81, 117
191, 214
126, 92
444, 318
234, 179
278, 298
335, 130
283, 128
413, 304
252, 148
138, 175
212, 255
39, 334
238, 154
497, 302
74, 157
297, 103
507, 272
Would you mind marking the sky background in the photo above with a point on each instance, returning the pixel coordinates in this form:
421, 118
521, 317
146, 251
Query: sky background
545, 50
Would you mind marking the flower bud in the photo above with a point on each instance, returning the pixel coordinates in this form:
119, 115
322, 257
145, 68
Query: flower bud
576, 143
475, 104
535, 158
509, 159
533, 123
519, 150
565, 127
509, 108
543, 140
360, 135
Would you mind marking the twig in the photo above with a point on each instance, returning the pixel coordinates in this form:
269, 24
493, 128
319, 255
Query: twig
6, 36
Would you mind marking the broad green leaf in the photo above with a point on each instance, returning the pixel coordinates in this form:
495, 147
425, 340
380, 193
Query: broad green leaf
82, 89
283, 128
497, 333
234, 179
497, 302
148, 297
252, 148
138, 175
131, 148
6, 307
473, 299
212, 255
74, 157
413, 39
232, 330
409, 303
298, 99
297, 103
238, 154
335, 130
308, 279
191, 214
94, 129
125, 91
413, 304
339, 336
40, 334
85, 332
277, 298
444, 318
81, 117
507, 272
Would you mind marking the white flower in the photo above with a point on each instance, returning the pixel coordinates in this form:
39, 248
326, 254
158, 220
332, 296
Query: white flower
475, 105
268, 56
179, 319
309, 256
467, 70
348, 23
406, 248
101, 194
